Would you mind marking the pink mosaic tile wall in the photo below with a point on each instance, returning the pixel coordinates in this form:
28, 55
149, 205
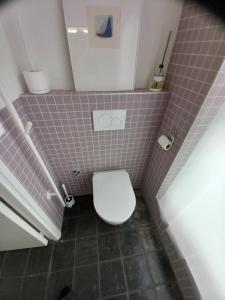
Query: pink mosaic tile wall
198, 53
63, 123
16, 154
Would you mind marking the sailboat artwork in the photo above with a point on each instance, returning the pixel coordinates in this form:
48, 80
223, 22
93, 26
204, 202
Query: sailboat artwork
104, 26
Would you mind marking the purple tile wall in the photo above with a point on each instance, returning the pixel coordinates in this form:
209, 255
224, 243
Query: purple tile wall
63, 123
198, 53
16, 154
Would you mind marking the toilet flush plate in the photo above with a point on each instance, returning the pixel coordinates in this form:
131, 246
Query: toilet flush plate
109, 119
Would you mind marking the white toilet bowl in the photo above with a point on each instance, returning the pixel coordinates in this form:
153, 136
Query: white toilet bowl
114, 198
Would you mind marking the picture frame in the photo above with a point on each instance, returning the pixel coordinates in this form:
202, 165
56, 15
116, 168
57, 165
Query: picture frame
104, 26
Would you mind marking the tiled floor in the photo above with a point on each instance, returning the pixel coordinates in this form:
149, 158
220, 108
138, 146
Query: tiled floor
98, 260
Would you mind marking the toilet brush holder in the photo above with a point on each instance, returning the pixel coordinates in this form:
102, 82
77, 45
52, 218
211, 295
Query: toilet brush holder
69, 201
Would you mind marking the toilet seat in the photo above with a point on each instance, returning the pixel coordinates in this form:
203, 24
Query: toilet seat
114, 198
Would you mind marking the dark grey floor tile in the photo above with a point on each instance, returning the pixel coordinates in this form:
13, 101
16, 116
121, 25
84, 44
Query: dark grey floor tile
145, 219
108, 246
103, 227
86, 251
150, 239
135, 237
160, 268
138, 193
148, 294
112, 278
130, 242
140, 202
85, 205
34, 288
137, 273
70, 212
63, 256
14, 264
168, 293
140, 217
57, 281
10, 288
120, 297
141, 214
86, 225
86, 284
133, 223
39, 259
68, 229
2, 256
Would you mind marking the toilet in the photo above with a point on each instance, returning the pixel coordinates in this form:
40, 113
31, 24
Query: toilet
114, 198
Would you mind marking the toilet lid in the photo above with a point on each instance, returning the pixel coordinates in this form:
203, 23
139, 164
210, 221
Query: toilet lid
114, 198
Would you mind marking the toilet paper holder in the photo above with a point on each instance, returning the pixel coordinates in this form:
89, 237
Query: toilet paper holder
166, 141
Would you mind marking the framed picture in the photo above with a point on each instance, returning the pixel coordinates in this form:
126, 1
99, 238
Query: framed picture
104, 26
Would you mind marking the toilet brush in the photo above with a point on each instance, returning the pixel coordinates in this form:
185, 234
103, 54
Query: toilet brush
69, 199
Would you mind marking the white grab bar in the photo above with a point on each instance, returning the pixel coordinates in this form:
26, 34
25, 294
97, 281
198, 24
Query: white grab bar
25, 131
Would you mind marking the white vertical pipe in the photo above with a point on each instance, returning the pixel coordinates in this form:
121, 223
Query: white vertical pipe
19, 124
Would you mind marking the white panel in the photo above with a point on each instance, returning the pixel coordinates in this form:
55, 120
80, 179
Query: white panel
103, 69
109, 119
194, 208
209, 273
14, 193
2, 130
15, 233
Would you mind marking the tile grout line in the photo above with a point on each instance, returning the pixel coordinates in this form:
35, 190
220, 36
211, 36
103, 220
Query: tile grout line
116, 295
74, 259
86, 264
122, 262
49, 270
153, 287
3, 263
98, 258
24, 272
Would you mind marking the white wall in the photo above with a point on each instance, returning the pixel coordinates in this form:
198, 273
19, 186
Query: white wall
158, 17
10, 74
44, 30
43, 26
194, 208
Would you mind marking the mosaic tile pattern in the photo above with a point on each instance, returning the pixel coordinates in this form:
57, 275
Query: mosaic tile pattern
16, 154
97, 260
63, 123
196, 59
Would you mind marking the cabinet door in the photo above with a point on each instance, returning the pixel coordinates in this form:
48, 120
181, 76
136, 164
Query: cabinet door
15, 233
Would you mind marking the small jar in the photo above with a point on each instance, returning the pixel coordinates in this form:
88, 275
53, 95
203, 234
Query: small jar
157, 81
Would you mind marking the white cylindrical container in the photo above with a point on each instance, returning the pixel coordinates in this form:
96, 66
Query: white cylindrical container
165, 142
37, 82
